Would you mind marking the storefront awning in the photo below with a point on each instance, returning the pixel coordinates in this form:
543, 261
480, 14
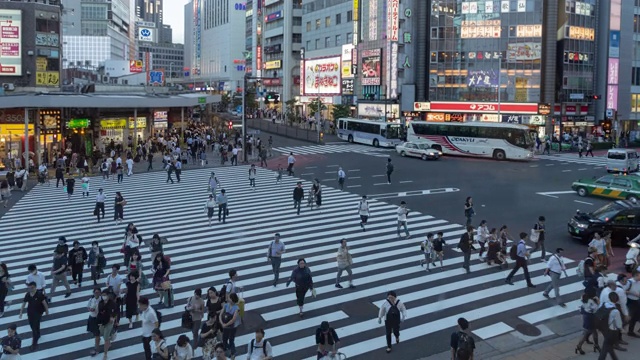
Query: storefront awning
104, 101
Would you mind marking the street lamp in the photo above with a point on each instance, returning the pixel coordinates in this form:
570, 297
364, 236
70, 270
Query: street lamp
245, 55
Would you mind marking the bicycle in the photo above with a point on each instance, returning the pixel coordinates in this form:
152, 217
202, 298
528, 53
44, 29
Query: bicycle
336, 356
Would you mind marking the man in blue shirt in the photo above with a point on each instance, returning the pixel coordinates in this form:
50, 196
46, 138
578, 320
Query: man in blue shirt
222, 206
521, 261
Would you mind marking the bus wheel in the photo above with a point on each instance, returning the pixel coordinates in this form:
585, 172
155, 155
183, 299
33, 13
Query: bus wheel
350, 139
437, 147
376, 143
499, 155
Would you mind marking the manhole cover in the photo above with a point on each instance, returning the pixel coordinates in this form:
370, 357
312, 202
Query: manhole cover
528, 330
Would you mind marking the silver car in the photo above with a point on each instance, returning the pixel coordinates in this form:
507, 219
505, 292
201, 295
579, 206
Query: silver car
422, 151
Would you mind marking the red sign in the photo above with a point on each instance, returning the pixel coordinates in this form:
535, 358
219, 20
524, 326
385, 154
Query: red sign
258, 57
296, 80
570, 109
485, 108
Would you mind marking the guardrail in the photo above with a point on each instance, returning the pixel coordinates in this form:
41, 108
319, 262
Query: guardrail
293, 132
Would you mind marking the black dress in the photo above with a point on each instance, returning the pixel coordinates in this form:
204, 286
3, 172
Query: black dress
118, 209
131, 300
318, 191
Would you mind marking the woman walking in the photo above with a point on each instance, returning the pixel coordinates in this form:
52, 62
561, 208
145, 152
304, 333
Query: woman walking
5, 192
77, 258
120, 173
209, 336
135, 266
96, 262
230, 320
5, 284
482, 237
71, 182
214, 303
85, 185
210, 207
159, 349
131, 242
301, 277
588, 309
317, 189
161, 281
196, 307
469, 213
132, 295
118, 208
156, 245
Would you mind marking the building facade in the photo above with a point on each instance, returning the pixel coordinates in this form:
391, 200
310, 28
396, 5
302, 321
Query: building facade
107, 19
31, 47
164, 56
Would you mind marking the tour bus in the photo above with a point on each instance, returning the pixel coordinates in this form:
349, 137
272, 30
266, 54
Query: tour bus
370, 132
499, 141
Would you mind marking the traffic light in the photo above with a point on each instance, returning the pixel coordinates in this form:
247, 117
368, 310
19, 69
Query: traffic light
230, 125
273, 97
596, 97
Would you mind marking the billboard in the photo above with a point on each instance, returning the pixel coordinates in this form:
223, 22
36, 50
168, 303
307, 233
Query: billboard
275, 64
135, 66
392, 19
482, 78
156, 77
322, 76
273, 16
524, 51
371, 66
347, 86
347, 56
10, 42
146, 34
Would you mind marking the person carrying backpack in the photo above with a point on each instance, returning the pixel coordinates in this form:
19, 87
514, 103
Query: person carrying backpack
259, 348
462, 344
394, 312
609, 322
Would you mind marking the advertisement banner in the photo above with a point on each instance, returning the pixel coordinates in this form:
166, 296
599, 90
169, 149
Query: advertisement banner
145, 34
484, 107
524, 51
197, 36
322, 76
135, 66
394, 71
10, 42
47, 78
45, 39
347, 87
373, 20
41, 63
355, 9
614, 43
273, 16
613, 70
393, 7
612, 97
275, 64
371, 66
482, 78
378, 110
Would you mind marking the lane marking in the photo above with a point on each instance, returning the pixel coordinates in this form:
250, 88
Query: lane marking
597, 167
550, 165
329, 172
353, 186
583, 202
406, 182
556, 192
413, 193
306, 174
333, 165
583, 169
378, 184
353, 170
566, 170
354, 177
327, 180
311, 167
530, 166
377, 175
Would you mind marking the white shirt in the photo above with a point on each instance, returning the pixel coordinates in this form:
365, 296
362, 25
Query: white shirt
38, 278
257, 352
402, 213
234, 151
363, 208
133, 241
114, 283
93, 304
341, 174
119, 161
101, 197
42, 168
634, 290
384, 309
556, 264
184, 353
291, 160
149, 320
130, 163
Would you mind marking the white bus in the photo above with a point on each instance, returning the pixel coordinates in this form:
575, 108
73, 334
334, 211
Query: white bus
499, 141
370, 132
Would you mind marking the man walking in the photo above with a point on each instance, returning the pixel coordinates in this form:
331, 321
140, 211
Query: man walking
290, 162
389, 170
274, 255
234, 157
36, 304
298, 196
521, 261
100, 199
363, 211
170, 168
462, 344
394, 313
614, 326
178, 169
252, 177
341, 177
59, 272
222, 206
150, 160
402, 219
344, 264
633, 303
149, 322
466, 245
555, 268
538, 228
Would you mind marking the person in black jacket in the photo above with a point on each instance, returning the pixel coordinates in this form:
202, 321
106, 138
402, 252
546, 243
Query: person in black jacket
298, 196
107, 315
59, 176
466, 245
77, 258
327, 340
301, 276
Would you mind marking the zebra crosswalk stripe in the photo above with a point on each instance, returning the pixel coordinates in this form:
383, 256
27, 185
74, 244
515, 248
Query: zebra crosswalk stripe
331, 149
574, 159
202, 255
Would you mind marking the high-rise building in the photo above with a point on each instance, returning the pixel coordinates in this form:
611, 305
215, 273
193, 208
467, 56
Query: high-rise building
166, 34
31, 48
215, 43
149, 11
163, 56
90, 27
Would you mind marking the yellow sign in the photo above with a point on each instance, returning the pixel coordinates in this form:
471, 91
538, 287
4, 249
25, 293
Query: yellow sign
355, 10
142, 123
41, 64
47, 78
113, 123
346, 69
276, 64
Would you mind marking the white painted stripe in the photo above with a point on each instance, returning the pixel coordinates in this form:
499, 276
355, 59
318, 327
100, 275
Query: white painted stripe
583, 202
494, 330
353, 186
557, 192
406, 182
552, 312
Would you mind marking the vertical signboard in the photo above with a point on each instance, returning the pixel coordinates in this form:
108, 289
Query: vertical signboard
393, 7
393, 90
10, 42
356, 20
197, 36
614, 54
373, 20
347, 56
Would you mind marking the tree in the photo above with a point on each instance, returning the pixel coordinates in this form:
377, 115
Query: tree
340, 111
225, 100
291, 111
314, 105
237, 100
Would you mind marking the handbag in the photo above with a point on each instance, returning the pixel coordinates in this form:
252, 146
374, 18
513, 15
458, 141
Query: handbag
226, 317
165, 285
535, 235
124, 202
187, 319
123, 249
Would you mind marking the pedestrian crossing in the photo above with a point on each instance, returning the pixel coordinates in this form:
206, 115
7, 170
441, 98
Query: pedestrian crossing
573, 158
201, 257
334, 149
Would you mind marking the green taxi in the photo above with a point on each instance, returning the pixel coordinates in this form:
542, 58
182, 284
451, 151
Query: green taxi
609, 186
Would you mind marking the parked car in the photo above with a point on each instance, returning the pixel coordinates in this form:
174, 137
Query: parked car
611, 186
621, 217
422, 151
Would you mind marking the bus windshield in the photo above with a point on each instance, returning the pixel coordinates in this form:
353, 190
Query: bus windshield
392, 131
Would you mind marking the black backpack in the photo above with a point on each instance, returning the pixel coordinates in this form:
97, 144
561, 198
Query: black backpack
465, 346
223, 291
513, 252
601, 318
393, 314
159, 316
264, 346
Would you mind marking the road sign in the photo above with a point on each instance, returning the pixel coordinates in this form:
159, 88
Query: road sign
202, 100
609, 113
156, 77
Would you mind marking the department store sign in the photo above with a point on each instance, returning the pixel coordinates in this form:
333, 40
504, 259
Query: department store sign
483, 107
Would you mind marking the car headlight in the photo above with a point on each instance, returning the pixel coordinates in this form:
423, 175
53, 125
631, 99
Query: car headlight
582, 226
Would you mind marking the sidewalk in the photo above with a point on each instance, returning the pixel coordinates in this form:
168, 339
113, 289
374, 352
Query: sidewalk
559, 346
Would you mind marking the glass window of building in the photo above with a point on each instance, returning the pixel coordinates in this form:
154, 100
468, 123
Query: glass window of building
338, 19
327, 42
308, 45
349, 38
317, 44
338, 39
327, 21
308, 25
349, 16
317, 24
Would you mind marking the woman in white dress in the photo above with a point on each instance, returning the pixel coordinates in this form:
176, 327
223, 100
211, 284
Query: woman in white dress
85, 184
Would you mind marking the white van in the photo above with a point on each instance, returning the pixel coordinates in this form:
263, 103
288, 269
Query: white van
622, 160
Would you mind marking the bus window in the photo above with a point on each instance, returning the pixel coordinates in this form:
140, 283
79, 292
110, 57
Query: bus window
467, 131
341, 124
392, 132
